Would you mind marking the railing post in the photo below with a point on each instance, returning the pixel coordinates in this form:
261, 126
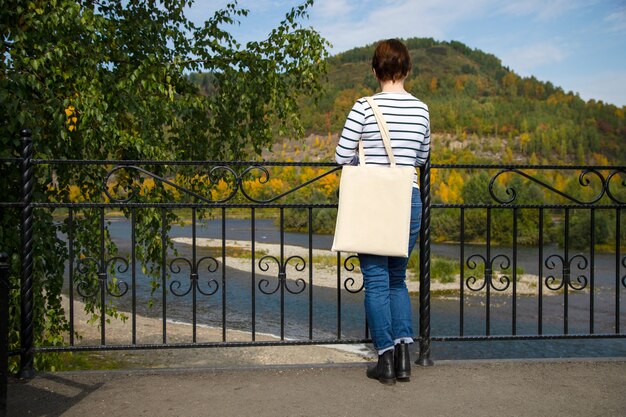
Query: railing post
4, 331
424, 355
27, 369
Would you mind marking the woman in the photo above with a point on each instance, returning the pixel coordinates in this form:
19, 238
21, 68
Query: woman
387, 302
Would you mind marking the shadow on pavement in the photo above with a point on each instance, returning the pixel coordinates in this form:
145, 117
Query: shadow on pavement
47, 395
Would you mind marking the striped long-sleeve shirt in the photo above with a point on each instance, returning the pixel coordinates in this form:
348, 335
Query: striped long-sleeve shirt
409, 129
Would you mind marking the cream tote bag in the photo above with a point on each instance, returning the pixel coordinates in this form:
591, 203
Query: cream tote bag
374, 215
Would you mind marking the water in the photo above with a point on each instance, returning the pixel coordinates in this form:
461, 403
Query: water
331, 319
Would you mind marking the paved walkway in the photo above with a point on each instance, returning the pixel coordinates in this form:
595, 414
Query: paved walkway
594, 387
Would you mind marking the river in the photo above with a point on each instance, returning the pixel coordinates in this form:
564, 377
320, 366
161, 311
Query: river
445, 319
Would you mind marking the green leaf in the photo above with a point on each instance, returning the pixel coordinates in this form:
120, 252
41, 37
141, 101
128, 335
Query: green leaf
114, 66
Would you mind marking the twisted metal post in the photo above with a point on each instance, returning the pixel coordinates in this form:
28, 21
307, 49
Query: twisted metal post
27, 356
4, 331
424, 355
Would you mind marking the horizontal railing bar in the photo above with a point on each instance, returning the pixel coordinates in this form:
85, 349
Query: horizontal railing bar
125, 162
178, 205
48, 349
530, 206
75, 348
527, 166
274, 205
298, 206
527, 337
281, 163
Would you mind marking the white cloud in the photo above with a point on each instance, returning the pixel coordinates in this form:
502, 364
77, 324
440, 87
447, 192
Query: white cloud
347, 26
333, 8
529, 57
616, 21
264, 5
543, 9
375, 20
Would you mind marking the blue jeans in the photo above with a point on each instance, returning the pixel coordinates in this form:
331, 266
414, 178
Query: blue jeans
387, 303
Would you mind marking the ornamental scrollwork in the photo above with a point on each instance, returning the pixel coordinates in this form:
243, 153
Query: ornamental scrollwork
614, 174
282, 281
487, 279
349, 283
236, 183
194, 276
583, 179
265, 177
131, 192
555, 284
116, 288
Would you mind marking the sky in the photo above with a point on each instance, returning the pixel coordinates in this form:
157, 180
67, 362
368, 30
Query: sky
579, 45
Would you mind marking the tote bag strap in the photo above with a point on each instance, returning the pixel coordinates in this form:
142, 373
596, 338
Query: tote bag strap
384, 131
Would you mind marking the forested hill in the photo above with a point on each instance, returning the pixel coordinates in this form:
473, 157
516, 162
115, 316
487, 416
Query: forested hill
480, 110
482, 107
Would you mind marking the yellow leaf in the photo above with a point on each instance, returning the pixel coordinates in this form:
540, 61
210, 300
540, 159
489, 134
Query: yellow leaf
72, 128
74, 119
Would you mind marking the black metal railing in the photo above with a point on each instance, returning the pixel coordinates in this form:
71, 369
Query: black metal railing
4, 329
204, 276
555, 270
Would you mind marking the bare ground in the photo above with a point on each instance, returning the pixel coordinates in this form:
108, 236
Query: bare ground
505, 388
150, 330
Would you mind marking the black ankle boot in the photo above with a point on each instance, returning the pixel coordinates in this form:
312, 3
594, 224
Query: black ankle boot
402, 360
384, 370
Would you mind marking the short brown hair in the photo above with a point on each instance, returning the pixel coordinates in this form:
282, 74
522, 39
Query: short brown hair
391, 60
